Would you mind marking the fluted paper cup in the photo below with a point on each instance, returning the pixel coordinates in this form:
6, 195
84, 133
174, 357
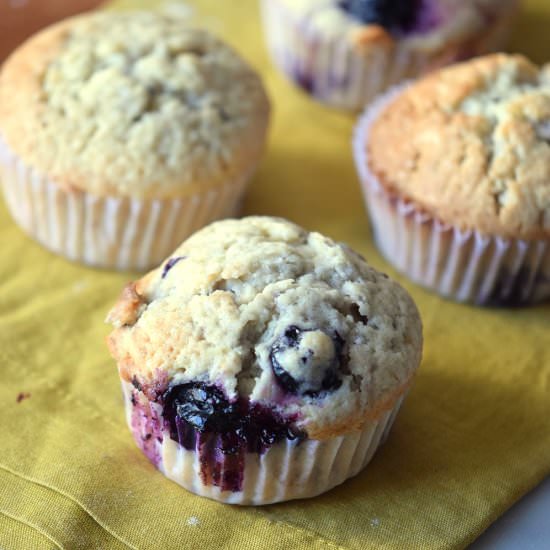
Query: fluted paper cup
347, 75
121, 233
463, 265
287, 470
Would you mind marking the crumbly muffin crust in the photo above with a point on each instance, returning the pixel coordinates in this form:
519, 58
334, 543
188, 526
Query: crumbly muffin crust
222, 307
132, 104
443, 23
471, 146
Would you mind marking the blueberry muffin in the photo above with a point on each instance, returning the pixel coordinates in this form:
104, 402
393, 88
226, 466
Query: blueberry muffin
263, 363
121, 133
456, 176
346, 52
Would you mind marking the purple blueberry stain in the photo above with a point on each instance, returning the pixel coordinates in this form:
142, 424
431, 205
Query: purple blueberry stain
21, 396
304, 80
515, 290
338, 81
320, 374
430, 17
147, 429
170, 264
201, 418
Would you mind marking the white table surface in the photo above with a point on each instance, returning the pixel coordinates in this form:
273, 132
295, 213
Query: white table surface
526, 526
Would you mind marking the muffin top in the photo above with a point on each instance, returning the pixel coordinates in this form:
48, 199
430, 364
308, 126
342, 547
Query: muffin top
423, 24
132, 104
263, 310
471, 146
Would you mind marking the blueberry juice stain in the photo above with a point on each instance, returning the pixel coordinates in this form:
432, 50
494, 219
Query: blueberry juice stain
201, 418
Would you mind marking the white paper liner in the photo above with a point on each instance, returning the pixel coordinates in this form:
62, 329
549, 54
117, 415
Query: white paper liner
463, 265
110, 232
288, 470
339, 73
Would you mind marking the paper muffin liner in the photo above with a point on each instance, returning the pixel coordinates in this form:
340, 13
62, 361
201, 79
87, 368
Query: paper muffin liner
110, 232
464, 265
287, 470
347, 76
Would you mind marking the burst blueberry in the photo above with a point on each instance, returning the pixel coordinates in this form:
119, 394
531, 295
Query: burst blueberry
391, 14
290, 339
240, 424
203, 407
305, 361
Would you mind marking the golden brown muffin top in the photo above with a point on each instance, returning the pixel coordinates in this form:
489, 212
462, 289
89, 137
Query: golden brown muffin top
133, 104
471, 145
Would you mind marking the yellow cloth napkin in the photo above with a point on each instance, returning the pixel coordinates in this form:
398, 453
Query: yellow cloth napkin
473, 437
